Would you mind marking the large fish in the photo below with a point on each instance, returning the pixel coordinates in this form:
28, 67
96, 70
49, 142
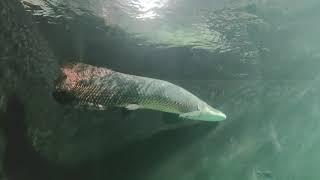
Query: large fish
83, 85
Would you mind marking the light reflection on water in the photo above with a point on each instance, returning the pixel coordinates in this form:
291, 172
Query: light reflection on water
148, 8
135, 9
166, 23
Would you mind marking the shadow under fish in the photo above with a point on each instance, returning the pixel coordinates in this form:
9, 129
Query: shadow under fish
85, 86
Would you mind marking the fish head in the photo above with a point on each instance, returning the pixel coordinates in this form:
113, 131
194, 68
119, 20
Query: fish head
204, 113
72, 74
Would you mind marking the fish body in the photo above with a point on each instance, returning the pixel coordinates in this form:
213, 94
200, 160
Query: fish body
83, 85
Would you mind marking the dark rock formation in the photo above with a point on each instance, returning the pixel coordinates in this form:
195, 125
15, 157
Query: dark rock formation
2, 137
27, 69
39, 132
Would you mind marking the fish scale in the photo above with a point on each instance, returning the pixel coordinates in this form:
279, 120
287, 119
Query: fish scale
99, 88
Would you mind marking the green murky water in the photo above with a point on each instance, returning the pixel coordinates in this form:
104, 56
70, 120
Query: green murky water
258, 61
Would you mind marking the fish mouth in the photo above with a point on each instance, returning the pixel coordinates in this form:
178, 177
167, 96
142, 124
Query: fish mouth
211, 116
217, 115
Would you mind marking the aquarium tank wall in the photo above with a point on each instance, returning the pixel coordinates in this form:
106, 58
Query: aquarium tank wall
257, 61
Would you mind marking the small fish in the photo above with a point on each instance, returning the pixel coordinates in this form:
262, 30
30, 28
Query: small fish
91, 87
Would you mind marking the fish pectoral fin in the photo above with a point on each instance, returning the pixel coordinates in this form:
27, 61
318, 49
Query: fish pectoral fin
189, 115
132, 107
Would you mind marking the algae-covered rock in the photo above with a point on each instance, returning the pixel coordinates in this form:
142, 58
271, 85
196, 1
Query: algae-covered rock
2, 149
57, 134
2, 134
2, 137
